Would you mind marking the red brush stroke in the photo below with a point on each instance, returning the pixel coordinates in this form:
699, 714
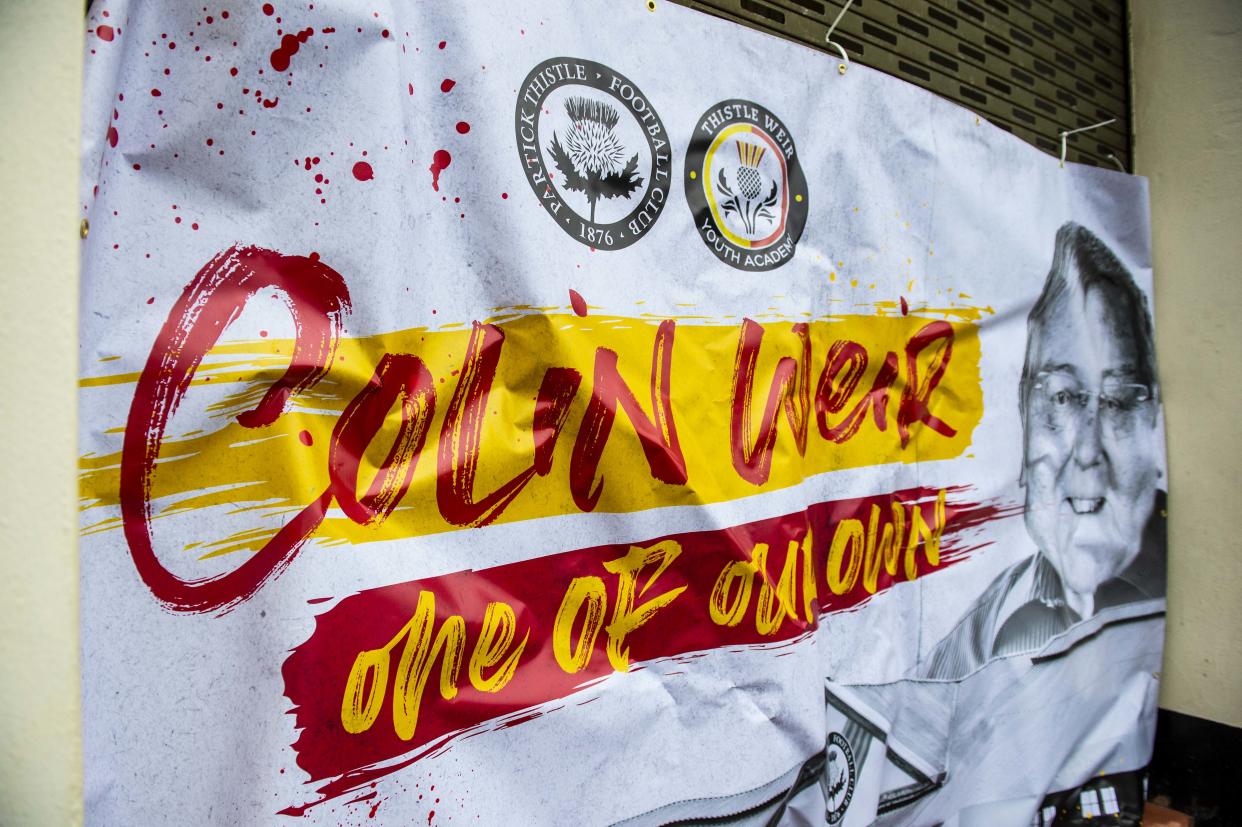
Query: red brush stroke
316, 672
462, 431
914, 398
399, 376
790, 389
317, 299
657, 434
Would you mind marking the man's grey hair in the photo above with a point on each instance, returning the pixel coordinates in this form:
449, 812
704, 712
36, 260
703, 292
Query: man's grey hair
1082, 262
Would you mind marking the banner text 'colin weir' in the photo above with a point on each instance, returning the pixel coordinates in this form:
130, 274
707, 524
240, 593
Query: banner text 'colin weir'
876, 400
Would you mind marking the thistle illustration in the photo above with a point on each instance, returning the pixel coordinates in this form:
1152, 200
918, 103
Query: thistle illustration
590, 160
838, 784
750, 181
836, 780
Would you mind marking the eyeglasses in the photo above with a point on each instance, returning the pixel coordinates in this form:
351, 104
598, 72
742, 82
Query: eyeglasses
1060, 403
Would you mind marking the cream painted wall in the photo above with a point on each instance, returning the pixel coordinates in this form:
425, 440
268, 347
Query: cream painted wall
40, 91
1187, 58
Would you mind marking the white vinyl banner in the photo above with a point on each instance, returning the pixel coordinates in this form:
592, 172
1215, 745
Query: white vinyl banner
599, 412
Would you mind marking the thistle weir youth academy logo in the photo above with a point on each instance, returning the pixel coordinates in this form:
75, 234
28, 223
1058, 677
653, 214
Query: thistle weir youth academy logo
839, 776
594, 150
745, 186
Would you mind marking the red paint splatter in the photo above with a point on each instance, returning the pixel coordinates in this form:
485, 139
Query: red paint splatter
289, 45
151, 300
443, 44
411, 88
113, 136
905, 308
270, 104
155, 93
504, 195
430, 816
439, 163
463, 127
384, 33
262, 334
105, 32
268, 9
306, 438
447, 85
578, 303
363, 171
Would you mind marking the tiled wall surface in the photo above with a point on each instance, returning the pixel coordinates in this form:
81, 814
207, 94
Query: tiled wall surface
1032, 67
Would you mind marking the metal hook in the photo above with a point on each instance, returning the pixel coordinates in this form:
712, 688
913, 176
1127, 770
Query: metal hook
844, 66
1069, 132
1113, 157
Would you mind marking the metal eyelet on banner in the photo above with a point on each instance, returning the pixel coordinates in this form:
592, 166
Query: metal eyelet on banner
844, 66
1069, 132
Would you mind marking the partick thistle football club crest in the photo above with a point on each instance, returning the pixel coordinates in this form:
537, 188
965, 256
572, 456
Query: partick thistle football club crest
838, 779
745, 186
594, 151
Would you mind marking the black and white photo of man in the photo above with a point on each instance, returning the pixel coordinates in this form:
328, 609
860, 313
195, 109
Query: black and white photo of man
1091, 467
1011, 719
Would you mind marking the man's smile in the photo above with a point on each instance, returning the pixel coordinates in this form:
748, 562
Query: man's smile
1085, 505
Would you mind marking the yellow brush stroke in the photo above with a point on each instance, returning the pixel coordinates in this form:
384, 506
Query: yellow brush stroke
270, 471
964, 313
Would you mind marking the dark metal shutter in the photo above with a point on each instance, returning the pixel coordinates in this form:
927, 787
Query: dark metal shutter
1031, 67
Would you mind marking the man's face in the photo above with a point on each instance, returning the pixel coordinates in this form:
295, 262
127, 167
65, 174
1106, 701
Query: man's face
1090, 468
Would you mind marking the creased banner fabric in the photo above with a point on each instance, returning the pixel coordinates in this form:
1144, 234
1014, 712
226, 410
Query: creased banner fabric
590, 413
